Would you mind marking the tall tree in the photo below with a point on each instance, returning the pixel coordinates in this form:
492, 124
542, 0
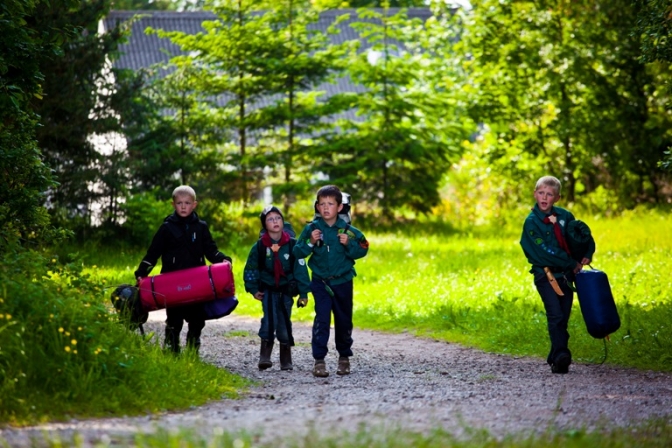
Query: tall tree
23, 176
301, 111
397, 150
226, 66
77, 104
559, 82
654, 27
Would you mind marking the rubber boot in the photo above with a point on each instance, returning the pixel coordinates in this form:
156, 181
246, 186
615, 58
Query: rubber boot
265, 354
286, 357
172, 341
193, 341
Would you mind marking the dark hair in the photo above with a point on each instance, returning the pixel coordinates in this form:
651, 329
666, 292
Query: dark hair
266, 211
330, 191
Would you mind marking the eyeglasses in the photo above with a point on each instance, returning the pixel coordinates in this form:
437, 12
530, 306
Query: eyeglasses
273, 219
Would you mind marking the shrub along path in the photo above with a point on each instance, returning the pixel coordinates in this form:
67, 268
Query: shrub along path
397, 381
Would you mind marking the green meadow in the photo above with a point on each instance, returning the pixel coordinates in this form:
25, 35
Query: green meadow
475, 288
63, 353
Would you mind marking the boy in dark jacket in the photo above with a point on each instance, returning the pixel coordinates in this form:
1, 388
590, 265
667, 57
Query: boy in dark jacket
273, 276
333, 246
544, 242
183, 241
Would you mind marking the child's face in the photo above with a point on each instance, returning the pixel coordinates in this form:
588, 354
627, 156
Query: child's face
273, 222
546, 196
184, 205
329, 208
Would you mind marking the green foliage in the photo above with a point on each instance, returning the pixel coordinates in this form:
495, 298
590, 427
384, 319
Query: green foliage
63, 352
474, 288
404, 139
560, 85
654, 29
145, 213
23, 175
651, 434
78, 109
306, 60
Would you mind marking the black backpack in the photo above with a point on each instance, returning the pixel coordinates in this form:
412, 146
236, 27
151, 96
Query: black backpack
126, 300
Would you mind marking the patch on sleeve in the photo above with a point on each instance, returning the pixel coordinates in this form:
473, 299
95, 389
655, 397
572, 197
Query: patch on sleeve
538, 241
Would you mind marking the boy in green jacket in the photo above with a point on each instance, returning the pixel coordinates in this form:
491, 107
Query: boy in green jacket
273, 276
544, 242
333, 246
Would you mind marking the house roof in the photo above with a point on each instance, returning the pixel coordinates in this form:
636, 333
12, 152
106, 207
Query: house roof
142, 50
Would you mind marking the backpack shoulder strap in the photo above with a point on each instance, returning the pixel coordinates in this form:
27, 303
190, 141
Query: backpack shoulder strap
261, 254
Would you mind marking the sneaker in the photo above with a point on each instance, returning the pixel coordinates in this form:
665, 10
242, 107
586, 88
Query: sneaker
343, 366
561, 363
320, 369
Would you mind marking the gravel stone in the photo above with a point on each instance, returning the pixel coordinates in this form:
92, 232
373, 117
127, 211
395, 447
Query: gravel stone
397, 381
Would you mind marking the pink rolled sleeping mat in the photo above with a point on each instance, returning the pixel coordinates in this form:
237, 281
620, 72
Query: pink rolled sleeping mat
187, 286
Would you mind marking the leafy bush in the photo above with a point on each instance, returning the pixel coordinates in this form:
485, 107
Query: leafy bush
63, 351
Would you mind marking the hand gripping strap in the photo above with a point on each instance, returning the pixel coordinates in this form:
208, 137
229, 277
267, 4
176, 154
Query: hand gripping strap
158, 305
212, 283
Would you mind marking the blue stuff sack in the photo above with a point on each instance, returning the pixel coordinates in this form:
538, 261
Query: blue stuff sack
597, 303
217, 308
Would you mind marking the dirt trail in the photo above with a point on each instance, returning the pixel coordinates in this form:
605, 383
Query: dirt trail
396, 381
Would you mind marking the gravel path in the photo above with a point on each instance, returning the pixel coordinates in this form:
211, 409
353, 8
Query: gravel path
396, 381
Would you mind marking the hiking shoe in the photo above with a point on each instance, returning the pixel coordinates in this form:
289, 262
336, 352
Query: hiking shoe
561, 363
320, 369
343, 366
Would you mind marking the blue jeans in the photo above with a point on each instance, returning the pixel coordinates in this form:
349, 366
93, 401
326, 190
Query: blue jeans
558, 308
276, 321
341, 305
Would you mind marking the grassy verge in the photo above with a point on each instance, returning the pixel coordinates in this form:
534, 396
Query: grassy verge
64, 354
475, 289
653, 434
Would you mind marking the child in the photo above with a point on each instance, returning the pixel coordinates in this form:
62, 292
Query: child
333, 246
183, 241
273, 275
544, 244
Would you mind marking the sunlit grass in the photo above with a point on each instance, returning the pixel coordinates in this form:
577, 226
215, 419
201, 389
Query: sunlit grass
653, 434
475, 288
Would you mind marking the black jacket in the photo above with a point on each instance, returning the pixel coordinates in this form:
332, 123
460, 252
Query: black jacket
181, 243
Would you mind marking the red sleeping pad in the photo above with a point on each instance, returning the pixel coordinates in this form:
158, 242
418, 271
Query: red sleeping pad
187, 286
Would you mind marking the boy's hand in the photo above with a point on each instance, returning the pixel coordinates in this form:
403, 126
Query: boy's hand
259, 296
303, 301
315, 235
343, 238
585, 261
578, 268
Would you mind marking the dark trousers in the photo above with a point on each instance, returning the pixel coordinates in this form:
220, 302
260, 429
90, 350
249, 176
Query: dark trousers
341, 306
558, 308
276, 321
175, 318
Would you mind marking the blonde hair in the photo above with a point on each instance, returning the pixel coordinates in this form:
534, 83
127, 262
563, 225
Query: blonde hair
549, 181
184, 189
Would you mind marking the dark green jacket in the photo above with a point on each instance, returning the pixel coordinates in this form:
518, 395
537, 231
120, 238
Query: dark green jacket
332, 261
260, 278
541, 247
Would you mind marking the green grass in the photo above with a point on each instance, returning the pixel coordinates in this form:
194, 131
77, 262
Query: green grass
478, 291
64, 354
475, 288
653, 434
